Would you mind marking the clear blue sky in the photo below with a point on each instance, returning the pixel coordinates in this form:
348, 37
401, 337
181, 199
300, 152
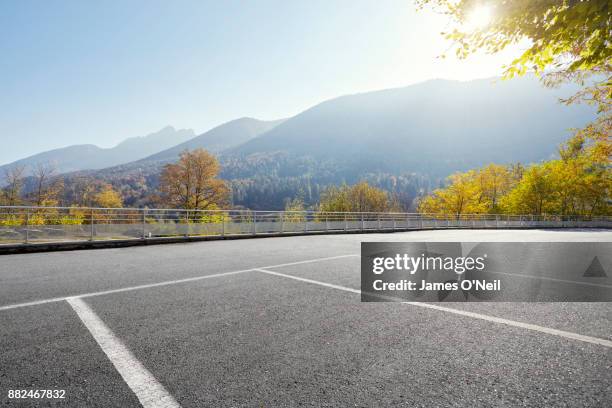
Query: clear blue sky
76, 72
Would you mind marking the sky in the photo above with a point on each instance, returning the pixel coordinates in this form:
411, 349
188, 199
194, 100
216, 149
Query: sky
80, 72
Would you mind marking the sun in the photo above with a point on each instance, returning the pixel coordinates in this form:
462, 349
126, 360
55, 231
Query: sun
478, 18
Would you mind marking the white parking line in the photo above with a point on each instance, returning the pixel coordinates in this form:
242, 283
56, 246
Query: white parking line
528, 326
521, 275
148, 390
164, 283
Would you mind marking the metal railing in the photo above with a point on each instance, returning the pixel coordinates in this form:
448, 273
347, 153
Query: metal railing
24, 225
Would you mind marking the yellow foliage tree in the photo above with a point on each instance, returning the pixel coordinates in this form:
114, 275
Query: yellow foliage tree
192, 182
360, 197
578, 183
464, 195
108, 198
295, 210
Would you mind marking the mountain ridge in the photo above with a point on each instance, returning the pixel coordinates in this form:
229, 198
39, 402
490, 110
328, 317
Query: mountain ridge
89, 156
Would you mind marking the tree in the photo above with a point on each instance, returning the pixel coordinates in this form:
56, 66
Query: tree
533, 194
360, 197
107, 197
494, 182
14, 182
294, 210
191, 183
462, 196
564, 35
569, 40
578, 183
47, 186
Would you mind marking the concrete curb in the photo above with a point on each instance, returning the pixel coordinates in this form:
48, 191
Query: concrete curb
9, 249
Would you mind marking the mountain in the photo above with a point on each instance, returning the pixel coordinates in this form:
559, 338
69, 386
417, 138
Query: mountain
222, 137
137, 178
436, 127
81, 157
406, 140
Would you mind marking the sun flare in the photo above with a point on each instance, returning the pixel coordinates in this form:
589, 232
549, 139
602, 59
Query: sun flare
478, 18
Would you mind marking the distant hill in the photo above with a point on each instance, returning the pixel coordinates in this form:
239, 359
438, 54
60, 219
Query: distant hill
222, 137
436, 127
81, 157
406, 140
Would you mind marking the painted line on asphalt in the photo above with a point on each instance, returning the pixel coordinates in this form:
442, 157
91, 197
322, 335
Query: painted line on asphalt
528, 326
148, 390
520, 275
165, 283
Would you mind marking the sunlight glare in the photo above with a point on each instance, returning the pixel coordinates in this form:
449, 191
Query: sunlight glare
479, 18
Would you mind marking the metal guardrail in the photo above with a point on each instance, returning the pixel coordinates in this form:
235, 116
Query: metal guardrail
22, 224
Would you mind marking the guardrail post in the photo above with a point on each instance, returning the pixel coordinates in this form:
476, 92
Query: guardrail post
91, 222
27, 225
144, 223
394, 223
187, 224
282, 219
421, 220
362, 222
222, 224
345, 223
496, 221
379, 222
326, 223
254, 222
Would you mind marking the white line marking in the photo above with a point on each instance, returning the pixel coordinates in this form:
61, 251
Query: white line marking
164, 283
316, 282
528, 326
33, 303
149, 392
520, 275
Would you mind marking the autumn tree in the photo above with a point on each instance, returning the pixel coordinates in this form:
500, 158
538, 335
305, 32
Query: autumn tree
294, 210
192, 182
494, 181
360, 197
11, 193
578, 183
464, 195
533, 194
567, 41
80, 190
107, 197
48, 187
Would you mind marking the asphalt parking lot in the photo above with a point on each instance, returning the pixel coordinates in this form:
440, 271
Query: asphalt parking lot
278, 322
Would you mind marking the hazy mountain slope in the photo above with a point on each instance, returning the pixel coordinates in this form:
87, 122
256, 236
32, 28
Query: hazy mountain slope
226, 135
436, 126
81, 157
406, 140
222, 137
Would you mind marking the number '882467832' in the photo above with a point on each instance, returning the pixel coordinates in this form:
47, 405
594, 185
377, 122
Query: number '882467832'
36, 394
